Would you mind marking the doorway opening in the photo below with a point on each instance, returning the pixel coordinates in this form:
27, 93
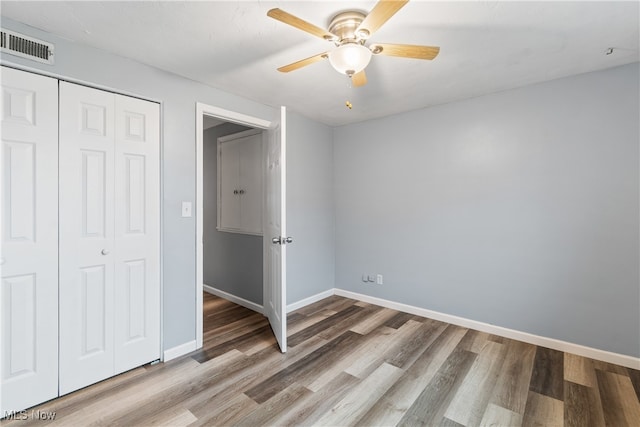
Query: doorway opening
271, 134
232, 203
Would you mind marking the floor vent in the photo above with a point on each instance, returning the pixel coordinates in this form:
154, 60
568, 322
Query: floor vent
26, 47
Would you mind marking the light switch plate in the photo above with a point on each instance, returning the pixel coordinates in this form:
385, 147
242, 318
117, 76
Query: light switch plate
186, 209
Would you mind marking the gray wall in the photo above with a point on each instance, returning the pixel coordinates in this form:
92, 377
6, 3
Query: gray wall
310, 208
179, 97
518, 209
232, 261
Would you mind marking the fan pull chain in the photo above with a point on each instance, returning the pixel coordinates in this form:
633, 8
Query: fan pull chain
348, 103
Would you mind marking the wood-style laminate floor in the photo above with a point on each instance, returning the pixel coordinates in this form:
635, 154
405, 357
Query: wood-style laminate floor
352, 363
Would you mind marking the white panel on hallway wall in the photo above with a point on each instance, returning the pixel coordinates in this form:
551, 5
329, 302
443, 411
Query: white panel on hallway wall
251, 182
240, 182
229, 217
29, 236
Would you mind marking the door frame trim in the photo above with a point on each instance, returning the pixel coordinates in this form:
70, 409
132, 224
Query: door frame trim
228, 116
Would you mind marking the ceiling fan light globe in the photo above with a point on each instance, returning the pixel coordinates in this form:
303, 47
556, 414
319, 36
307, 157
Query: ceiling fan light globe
350, 58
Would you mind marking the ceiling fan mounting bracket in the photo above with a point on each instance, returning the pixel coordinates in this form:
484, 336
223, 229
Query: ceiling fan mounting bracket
345, 26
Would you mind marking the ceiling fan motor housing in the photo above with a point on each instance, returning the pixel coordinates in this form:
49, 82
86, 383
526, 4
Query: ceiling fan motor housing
344, 26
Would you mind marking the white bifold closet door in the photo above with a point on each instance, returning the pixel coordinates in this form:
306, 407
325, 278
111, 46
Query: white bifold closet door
29, 235
109, 235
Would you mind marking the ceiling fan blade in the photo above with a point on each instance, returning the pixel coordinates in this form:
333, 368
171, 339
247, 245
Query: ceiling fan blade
359, 79
303, 62
405, 50
380, 14
300, 24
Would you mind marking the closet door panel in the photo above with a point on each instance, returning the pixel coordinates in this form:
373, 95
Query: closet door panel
137, 230
251, 174
86, 236
29, 236
229, 185
240, 182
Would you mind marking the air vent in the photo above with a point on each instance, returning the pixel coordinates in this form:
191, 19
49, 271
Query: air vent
26, 47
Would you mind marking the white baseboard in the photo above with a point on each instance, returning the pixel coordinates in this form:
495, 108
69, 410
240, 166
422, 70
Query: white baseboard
581, 350
310, 300
593, 353
179, 350
240, 301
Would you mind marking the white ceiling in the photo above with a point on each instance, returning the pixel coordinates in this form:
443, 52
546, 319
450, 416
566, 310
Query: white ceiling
486, 46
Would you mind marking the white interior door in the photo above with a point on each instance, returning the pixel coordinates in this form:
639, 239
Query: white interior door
86, 236
29, 235
137, 231
275, 232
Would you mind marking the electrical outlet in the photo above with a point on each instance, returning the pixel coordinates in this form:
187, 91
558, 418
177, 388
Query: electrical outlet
368, 278
379, 279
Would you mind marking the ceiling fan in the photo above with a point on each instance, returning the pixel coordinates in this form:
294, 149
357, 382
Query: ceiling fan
350, 31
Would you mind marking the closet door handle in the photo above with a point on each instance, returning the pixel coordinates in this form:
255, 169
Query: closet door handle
105, 252
2, 261
241, 191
